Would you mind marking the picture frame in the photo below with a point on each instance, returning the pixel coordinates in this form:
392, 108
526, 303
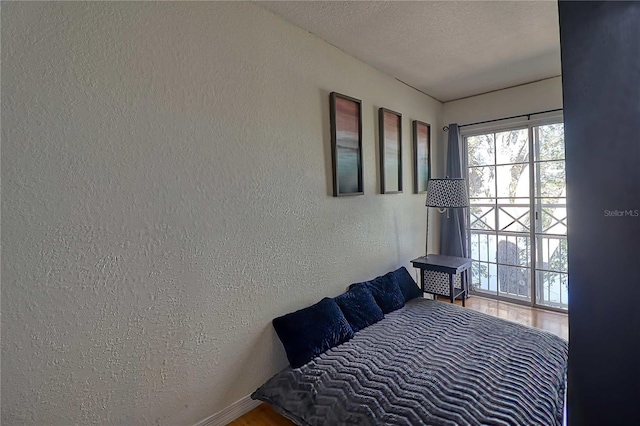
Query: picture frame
421, 156
346, 144
390, 135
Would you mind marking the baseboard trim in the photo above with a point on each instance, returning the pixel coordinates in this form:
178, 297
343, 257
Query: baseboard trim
232, 412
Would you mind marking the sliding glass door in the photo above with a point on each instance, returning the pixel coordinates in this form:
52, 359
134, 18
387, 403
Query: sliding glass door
517, 218
550, 216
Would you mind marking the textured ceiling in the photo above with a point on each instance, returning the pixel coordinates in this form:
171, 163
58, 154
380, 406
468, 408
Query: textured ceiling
449, 49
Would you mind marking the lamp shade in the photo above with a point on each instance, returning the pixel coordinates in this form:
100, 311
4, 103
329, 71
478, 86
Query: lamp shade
447, 193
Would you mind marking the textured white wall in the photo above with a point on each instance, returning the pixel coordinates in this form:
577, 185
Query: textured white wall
166, 193
534, 97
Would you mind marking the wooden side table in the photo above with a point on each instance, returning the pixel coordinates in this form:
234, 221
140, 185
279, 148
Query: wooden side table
446, 264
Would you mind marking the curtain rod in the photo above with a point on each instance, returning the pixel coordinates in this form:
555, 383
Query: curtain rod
446, 128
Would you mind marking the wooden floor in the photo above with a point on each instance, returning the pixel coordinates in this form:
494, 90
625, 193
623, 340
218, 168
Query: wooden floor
552, 322
262, 415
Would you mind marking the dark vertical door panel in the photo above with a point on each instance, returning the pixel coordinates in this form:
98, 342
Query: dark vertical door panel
600, 44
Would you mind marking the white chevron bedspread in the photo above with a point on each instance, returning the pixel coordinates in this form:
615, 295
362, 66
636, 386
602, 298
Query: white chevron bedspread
429, 363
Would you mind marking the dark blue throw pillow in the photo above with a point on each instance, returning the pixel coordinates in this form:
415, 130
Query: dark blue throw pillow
407, 285
309, 332
359, 308
385, 291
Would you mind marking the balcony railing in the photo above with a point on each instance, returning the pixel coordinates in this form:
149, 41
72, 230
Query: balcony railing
502, 268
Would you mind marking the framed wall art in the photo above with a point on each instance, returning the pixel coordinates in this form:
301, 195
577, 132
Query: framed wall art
390, 133
346, 144
421, 156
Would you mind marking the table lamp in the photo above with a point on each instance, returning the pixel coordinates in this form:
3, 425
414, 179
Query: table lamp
445, 193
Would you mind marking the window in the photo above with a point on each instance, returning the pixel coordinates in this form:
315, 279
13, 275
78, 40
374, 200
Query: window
516, 179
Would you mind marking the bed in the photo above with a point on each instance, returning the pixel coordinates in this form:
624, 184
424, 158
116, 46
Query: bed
428, 363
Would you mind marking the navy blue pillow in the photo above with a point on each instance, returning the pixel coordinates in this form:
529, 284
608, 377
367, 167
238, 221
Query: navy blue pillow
385, 291
359, 308
311, 331
407, 285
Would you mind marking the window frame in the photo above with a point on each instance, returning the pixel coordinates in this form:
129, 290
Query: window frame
529, 123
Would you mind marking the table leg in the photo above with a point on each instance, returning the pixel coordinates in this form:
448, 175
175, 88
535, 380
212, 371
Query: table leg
465, 289
451, 287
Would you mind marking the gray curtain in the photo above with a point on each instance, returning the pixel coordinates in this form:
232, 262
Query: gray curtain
453, 230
